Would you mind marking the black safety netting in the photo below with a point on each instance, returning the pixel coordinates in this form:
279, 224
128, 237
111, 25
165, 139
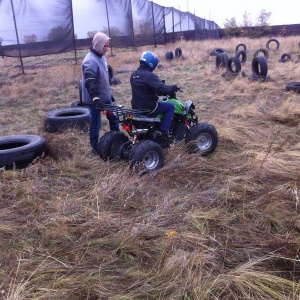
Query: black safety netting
35, 27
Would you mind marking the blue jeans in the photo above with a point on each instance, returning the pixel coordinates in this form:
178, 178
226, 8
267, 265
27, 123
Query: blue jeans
95, 125
167, 110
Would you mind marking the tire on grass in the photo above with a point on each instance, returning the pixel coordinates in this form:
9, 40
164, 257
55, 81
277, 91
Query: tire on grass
217, 51
169, 55
110, 145
59, 120
178, 52
20, 150
285, 57
259, 67
243, 46
263, 51
221, 60
293, 86
272, 41
233, 65
241, 55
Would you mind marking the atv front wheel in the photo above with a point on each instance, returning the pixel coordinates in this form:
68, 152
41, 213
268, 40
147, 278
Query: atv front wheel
202, 138
146, 156
110, 144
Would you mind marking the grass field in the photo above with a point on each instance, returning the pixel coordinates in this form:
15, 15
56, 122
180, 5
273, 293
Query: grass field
225, 226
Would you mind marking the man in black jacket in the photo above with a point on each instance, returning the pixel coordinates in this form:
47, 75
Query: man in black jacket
146, 89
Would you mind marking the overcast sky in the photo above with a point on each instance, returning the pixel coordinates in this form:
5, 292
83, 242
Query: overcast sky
283, 13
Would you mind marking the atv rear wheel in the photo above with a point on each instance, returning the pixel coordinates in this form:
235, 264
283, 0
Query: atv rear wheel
110, 144
202, 138
146, 156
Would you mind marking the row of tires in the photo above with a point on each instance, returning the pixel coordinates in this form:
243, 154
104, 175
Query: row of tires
242, 54
259, 64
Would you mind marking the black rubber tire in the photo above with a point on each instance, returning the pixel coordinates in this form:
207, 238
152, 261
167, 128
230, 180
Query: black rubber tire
146, 156
202, 138
241, 55
259, 67
178, 52
263, 51
293, 86
217, 51
20, 150
110, 144
59, 120
243, 46
169, 55
285, 57
221, 60
271, 41
110, 72
233, 65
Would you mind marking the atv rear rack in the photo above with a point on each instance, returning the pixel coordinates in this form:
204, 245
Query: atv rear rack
119, 110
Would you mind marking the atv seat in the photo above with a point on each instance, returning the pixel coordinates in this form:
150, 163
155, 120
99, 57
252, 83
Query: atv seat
147, 119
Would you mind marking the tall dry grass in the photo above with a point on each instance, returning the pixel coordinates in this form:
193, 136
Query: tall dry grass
224, 226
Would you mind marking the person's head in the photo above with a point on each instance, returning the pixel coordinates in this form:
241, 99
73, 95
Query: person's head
150, 59
100, 42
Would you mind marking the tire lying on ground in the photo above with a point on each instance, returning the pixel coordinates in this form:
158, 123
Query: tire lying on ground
293, 86
20, 150
272, 41
169, 55
217, 51
59, 120
285, 57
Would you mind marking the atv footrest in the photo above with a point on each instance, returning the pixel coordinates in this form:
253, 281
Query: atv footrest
147, 119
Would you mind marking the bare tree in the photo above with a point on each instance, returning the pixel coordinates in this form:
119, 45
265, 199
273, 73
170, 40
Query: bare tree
246, 20
58, 33
30, 39
113, 31
91, 34
143, 27
263, 18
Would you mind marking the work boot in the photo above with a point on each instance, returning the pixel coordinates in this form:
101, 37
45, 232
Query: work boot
164, 139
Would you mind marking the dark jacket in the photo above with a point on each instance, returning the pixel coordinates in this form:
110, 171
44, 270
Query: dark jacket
146, 88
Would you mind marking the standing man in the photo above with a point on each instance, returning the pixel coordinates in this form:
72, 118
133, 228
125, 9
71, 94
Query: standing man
95, 86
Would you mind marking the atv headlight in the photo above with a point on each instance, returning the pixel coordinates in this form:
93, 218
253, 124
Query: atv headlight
189, 106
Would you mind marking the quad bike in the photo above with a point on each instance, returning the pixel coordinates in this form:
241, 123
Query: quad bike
144, 147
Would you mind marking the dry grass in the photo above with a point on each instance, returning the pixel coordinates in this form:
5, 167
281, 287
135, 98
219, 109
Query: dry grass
220, 227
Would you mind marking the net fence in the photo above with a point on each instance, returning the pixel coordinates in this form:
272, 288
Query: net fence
35, 27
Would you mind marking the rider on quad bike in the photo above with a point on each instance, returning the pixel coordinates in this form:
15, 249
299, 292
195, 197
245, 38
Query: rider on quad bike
146, 89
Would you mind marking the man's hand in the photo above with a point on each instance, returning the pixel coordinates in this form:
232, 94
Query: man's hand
97, 103
176, 88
